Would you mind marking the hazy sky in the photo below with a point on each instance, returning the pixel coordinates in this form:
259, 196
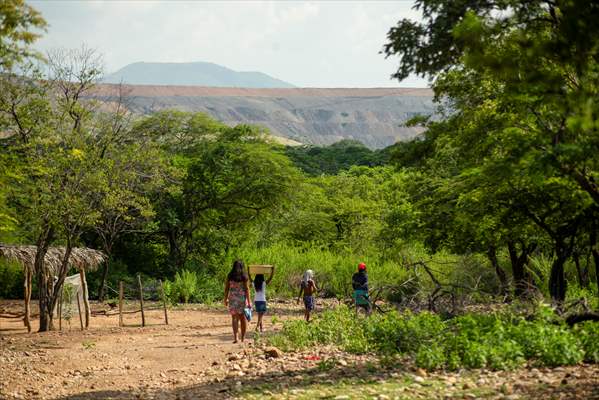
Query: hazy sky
311, 44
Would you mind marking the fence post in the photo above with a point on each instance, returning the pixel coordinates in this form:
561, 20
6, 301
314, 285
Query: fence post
121, 293
60, 308
79, 308
141, 300
163, 300
86, 307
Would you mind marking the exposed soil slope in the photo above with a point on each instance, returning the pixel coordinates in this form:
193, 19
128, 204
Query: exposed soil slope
373, 116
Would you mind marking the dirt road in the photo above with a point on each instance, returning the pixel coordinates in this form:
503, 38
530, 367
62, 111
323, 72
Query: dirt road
194, 358
107, 361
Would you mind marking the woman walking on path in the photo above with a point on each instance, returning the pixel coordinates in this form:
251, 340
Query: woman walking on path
237, 297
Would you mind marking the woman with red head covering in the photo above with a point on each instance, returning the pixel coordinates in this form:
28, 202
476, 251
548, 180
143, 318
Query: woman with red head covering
360, 286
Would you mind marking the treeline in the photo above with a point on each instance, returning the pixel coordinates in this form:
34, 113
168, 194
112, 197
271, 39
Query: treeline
513, 163
499, 193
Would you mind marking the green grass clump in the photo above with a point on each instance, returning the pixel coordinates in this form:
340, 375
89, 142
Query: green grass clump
190, 286
495, 341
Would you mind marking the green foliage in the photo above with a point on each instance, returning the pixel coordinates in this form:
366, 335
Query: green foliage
185, 285
495, 341
11, 280
588, 332
330, 160
333, 269
17, 31
190, 286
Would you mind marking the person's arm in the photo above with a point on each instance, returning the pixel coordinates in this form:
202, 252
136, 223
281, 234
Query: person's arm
250, 275
227, 293
299, 296
271, 275
247, 293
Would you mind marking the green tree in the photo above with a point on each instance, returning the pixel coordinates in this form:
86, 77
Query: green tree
18, 23
228, 177
543, 74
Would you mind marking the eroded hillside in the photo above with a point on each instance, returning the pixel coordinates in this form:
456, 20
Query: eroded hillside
375, 116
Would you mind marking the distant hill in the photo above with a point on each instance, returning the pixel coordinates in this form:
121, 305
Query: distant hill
192, 74
318, 116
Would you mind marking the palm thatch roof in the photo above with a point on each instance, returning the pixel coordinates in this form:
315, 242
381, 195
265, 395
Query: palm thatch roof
80, 258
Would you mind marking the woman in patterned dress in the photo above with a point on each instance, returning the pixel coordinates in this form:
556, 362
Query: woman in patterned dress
237, 297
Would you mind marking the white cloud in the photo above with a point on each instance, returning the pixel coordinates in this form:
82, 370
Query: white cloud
318, 44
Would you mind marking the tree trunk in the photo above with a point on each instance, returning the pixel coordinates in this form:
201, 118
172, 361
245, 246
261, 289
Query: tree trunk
103, 280
49, 289
523, 282
174, 249
501, 275
28, 288
557, 279
44, 278
582, 272
595, 252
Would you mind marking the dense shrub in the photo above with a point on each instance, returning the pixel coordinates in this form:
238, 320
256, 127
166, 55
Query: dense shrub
495, 341
189, 286
11, 280
185, 285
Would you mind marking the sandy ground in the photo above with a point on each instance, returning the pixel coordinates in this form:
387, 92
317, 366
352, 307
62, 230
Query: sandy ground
107, 359
194, 358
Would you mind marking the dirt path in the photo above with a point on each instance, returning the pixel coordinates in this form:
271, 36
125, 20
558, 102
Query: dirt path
194, 358
108, 359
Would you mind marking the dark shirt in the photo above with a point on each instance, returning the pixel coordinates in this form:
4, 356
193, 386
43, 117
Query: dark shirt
360, 281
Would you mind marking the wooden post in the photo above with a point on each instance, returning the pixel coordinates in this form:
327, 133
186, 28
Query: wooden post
163, 300
121, 292
27, 319
79, 308
86, 306
60, 308
141, 300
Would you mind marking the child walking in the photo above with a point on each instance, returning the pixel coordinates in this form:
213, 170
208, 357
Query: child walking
260, 295
308, 288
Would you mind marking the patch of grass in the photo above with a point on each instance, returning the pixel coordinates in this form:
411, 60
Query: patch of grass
88, 344
500, 341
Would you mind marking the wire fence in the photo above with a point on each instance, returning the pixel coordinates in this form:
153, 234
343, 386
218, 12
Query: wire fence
151, 291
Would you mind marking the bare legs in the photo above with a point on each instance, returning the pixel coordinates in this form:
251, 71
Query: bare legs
259, 322
307, 315
243, 326
236, 321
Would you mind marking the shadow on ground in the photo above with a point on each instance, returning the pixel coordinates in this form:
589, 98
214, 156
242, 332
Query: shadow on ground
283, 382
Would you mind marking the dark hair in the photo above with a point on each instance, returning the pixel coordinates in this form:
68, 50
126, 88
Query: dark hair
237, 272
258, 280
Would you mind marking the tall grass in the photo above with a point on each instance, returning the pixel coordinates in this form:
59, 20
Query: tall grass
333, 270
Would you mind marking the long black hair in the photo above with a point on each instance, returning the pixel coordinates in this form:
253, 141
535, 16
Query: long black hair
237, 272
258, 280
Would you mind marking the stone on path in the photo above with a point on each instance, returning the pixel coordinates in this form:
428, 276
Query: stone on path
273, 352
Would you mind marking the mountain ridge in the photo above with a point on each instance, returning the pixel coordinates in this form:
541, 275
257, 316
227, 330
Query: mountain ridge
198, 73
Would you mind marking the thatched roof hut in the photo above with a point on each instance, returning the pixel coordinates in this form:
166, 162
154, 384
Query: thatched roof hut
81, 258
